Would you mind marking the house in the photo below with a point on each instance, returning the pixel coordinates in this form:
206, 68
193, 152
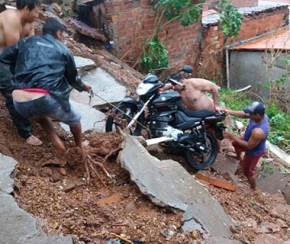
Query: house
260, 61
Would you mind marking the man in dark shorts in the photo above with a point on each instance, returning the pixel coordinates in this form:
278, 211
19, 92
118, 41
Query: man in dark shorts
254, 141
16, 24
43, 70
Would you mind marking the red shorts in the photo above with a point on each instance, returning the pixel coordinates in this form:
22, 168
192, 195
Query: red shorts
249, 162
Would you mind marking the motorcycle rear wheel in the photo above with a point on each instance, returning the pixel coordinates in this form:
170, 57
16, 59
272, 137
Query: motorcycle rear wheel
122, 116
202, 160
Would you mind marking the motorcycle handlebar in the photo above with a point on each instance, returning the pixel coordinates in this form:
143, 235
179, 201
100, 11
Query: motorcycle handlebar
176, 82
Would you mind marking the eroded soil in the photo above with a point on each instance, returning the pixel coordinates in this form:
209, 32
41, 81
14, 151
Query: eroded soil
114, 208
65, 204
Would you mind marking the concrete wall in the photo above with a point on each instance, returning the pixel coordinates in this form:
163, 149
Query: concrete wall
254, 68
211, 60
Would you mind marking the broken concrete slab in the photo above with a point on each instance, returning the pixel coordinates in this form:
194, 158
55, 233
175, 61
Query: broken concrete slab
168, 184
219, 240
17, 226
104, 85
92, 119
224, 164
84, 64
271, 182
15, 220
285, 158
7, 165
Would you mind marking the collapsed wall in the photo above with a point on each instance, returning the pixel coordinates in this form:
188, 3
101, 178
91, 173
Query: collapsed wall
129, 24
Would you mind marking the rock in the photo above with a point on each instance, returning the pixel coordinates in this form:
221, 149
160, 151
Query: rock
168, 184
267, 227
22, 225
104, 85
55, 9
286, 193
7, 165
111, 199
84, 64
281, 211
267, 239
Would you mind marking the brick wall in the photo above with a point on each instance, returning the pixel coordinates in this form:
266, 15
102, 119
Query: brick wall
211, 64
132, 23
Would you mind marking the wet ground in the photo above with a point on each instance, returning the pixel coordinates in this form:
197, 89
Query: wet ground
65, 204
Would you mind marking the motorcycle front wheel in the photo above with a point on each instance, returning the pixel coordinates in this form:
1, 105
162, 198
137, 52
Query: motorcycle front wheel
202, 159
122, 116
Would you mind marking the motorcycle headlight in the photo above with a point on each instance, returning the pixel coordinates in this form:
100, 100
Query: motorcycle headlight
143, 88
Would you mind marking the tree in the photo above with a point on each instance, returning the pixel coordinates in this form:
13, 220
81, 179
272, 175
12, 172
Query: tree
186, 12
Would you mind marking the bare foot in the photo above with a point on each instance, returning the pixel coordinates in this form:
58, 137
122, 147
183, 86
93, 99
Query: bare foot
32, 140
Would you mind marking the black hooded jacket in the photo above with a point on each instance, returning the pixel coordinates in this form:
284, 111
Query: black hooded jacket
43, 62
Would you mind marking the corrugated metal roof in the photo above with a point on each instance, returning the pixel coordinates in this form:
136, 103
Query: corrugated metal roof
279, 40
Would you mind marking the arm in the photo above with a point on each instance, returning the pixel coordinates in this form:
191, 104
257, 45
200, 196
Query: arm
11, 31
72, 77
213, 89
167, 86
255, 138
206, 85
239, 114
31, 31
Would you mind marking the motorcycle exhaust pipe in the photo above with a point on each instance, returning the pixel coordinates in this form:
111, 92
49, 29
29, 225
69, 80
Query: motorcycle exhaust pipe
158, 140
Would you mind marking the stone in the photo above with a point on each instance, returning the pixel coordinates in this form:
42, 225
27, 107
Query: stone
84, 64
111, 199
224, 164
7, 165
270, 182
105, 87
168, 184
22, 225
286, 193
267, 239
92, 119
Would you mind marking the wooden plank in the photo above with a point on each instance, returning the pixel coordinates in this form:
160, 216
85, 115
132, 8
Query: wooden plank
216, 182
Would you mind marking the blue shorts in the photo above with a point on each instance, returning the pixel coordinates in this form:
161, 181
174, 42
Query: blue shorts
49, 107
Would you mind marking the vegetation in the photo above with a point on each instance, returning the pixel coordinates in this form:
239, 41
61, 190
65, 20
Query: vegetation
155, 55
230, 19
185, 12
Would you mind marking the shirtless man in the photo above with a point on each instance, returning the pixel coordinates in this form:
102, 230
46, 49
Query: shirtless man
193, 92
14, 25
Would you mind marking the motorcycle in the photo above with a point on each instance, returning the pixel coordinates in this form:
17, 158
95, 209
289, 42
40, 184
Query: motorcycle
162, 115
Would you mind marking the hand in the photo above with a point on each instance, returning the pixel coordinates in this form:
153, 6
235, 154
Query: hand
219, 109
88, 88
228, 135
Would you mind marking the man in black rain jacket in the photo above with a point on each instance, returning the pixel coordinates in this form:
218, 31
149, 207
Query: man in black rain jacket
44, 69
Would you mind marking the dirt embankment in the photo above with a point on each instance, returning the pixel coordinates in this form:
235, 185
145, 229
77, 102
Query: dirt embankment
114, 207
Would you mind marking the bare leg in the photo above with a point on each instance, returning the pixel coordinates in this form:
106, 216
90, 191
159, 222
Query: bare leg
252, 181
48, 126
76, 130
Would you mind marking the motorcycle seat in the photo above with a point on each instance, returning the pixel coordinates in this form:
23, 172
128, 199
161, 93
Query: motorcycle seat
204, 114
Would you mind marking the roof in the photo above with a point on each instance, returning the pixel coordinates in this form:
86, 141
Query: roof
279, 40
211, 17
